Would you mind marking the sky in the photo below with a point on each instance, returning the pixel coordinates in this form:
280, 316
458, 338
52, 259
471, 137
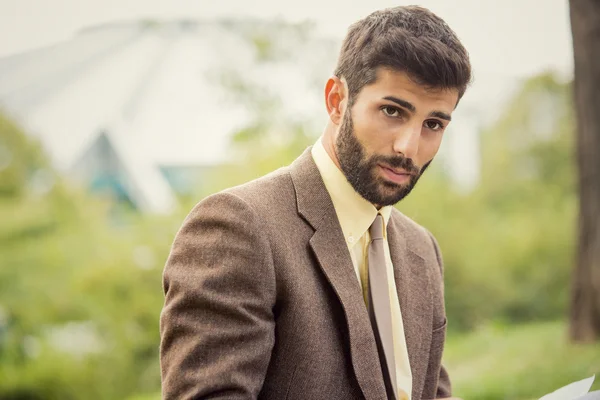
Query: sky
509, 37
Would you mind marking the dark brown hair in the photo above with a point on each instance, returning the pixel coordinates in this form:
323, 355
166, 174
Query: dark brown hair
410, 39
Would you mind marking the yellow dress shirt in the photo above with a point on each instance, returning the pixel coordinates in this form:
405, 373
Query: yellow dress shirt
356, 215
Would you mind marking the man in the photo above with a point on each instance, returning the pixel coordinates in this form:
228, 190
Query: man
307, 283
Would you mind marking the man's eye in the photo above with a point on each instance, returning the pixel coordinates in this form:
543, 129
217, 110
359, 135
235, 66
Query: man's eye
434, 125
390, 111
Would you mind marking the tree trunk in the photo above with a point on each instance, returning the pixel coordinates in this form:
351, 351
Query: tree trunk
585, 304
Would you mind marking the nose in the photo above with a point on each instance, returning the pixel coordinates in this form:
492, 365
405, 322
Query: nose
407, 140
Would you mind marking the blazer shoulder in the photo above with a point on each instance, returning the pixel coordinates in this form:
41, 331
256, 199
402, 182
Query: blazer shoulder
419, 239
251, 204
411, 228
270, 192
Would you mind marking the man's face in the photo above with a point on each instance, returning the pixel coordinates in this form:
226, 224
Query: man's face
390, 135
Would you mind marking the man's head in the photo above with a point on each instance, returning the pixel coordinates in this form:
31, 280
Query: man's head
400, 74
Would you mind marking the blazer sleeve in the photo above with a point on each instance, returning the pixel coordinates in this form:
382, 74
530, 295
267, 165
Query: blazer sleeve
217, 323
439, 372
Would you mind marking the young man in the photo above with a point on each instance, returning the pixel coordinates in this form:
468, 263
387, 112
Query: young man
307, 283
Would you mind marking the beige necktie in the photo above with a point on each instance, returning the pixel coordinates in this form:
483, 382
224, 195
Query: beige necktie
379, 304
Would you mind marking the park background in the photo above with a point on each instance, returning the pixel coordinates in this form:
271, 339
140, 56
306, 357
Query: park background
117, 117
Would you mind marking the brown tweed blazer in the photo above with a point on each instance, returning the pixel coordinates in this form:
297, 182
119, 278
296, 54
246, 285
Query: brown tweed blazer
262, 301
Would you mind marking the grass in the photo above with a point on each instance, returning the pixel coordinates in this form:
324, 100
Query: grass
521, 362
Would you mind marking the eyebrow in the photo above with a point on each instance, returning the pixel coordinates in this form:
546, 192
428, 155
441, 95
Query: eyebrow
412, 108
441, 115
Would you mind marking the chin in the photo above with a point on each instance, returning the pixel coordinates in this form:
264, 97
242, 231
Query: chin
395, 195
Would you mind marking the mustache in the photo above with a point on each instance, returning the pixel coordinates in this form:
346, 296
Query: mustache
404, 163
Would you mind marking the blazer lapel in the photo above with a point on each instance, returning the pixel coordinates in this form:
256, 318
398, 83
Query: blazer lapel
412, 284
329, 247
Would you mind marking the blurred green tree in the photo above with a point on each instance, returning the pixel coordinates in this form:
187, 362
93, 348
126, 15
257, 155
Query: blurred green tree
79, 296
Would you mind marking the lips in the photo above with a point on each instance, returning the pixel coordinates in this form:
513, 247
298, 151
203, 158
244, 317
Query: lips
396, 171
395, 175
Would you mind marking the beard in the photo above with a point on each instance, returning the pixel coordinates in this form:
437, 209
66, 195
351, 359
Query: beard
361, 170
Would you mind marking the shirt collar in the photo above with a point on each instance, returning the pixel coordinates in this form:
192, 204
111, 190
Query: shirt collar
355, 214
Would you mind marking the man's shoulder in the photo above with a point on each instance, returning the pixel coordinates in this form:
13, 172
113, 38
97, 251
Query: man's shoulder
418, 238
270, 193
410, 226
267, 189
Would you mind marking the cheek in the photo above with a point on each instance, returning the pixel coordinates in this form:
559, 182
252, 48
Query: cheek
374, 130
428, 147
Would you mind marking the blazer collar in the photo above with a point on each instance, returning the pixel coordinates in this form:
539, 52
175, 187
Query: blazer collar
328, 244
412, 284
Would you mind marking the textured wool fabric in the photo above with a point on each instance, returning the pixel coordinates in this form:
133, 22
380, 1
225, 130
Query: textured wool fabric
355, 215
262, 301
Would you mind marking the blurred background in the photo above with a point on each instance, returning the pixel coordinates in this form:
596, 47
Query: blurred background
116, 117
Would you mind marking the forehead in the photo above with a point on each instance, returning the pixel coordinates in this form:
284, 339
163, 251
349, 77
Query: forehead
399, 84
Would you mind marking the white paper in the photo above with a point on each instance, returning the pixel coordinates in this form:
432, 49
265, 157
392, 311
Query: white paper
595, 395
572, 391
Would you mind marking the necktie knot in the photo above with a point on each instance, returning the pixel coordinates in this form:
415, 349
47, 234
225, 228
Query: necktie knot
376, 229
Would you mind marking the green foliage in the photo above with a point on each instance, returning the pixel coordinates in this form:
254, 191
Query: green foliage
501, 362
79, 296
20, 158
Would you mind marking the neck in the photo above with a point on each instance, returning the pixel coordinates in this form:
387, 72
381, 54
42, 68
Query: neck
328, 141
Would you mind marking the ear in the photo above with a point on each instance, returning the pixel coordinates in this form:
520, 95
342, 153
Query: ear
335, 96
